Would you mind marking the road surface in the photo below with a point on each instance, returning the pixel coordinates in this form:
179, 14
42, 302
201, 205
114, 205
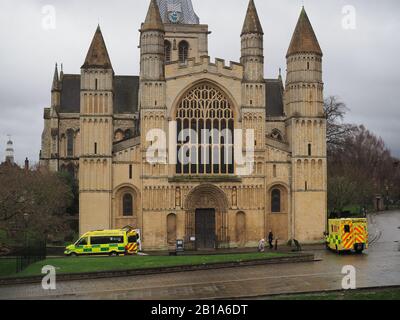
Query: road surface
378, 266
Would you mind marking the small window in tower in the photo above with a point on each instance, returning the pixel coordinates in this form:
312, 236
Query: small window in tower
167, 51
183, 52
276, 201
70, 143
96, 84
130, 171
127, 205
308, 66
309, 149
274, 170
306, 186
95, 148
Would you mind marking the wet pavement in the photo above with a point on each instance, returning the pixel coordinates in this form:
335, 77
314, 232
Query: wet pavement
378, 266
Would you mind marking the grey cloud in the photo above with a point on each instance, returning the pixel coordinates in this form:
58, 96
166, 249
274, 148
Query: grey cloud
360, 66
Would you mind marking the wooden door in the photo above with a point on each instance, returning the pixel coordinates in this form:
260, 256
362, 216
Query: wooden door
205, 229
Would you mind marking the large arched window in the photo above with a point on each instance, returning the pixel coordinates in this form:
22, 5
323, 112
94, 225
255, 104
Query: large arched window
276, 200
167, 46
183, 51
127, 205
70, 143
205, 126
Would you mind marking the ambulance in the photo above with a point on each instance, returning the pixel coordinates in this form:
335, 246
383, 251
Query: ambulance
347, 234
105, 242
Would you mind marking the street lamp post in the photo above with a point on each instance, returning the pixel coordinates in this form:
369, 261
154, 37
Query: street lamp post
387, 198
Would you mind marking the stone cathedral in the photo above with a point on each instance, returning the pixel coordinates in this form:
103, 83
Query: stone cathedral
100, 128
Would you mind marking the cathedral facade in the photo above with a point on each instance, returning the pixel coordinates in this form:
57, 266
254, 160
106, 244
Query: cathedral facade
160, 151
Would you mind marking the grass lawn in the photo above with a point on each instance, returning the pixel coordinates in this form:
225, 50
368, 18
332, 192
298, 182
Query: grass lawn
92, 264
7, 266
376, 294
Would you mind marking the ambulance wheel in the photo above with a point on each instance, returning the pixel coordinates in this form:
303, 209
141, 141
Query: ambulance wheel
113, 254
73, 254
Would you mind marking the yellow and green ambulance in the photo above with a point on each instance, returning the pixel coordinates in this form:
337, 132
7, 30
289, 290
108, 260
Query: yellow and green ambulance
105, 242
347, 234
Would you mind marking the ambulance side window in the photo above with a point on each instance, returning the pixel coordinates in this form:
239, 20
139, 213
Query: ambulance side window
347, 228
82, 242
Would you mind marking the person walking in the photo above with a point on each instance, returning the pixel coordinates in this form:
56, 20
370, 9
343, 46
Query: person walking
270, 239
261, 245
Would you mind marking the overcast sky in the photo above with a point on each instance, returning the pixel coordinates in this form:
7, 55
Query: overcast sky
361, 65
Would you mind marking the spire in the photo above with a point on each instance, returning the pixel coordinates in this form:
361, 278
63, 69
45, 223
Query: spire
56, 80
153, 19
304, 39
97, 56
252, 22
62, 72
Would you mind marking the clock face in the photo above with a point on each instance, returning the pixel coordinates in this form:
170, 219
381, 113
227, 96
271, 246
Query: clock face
174, 16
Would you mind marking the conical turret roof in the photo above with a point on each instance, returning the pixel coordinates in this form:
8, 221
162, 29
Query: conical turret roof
304, 39
252, 22
97, 56
153, 19
56, 81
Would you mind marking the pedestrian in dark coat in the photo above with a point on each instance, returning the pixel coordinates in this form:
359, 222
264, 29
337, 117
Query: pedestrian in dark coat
270, 239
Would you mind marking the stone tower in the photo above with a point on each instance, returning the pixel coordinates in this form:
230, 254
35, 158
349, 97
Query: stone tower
54, 121
153, 109
253, 83
306, 125
96, 125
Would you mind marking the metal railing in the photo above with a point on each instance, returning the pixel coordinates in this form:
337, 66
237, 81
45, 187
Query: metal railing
33, 251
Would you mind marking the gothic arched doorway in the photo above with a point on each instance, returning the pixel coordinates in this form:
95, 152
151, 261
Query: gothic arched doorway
206, 217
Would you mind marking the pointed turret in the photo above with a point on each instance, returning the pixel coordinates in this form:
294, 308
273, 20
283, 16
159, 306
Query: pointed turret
252, 38
153, 19
56, 81
152, 45
61, 73
97, 56
304, 39
252, 22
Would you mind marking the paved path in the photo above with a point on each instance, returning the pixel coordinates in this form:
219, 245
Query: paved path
379, 266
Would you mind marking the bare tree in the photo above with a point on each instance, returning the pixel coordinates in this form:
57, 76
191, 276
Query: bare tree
362, 160
337, 130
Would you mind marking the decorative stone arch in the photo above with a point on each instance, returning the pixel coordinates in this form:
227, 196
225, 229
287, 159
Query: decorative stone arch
207, 196
119, 220
240, 228
171, 230
183, 51
223, 89
283, 197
